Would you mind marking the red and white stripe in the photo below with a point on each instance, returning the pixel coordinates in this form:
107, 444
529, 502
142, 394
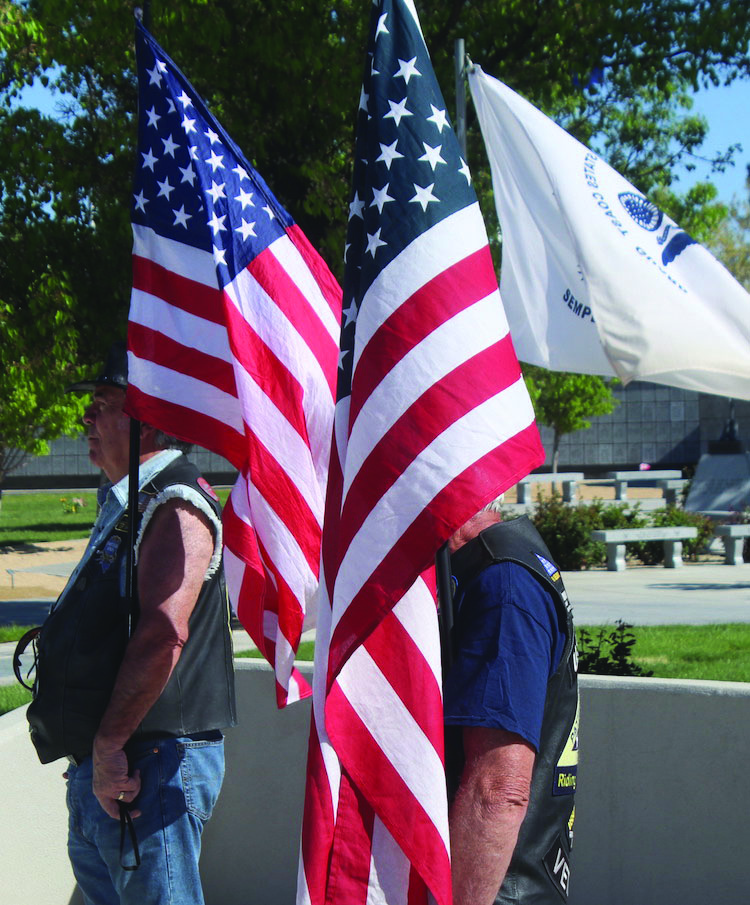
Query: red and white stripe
247, 371
438, 423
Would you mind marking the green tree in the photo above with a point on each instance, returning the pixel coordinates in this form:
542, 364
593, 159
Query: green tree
38, 359
565, 401
730, 242
284, 79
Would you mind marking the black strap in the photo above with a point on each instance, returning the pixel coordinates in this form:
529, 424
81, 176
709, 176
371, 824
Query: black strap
126, 822
28, 638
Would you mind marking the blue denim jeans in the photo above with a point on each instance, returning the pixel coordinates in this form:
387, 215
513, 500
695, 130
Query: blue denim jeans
180, 782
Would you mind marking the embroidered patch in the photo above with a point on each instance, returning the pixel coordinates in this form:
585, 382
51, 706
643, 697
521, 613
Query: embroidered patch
207, 488
564, 782
549, 567
108, 554
558, 867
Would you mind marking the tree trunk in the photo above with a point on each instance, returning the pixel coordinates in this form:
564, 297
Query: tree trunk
555, 452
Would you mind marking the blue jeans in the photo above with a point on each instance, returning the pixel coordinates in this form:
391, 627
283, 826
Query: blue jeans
180, 782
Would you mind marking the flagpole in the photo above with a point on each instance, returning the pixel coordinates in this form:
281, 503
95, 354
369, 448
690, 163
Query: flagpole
443, 557
460, 66
445, 601
134, 455
133, 468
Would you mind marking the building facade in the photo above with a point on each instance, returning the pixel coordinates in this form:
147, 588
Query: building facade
653, 424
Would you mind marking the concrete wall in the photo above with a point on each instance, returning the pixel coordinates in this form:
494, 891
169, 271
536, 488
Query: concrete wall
662, 805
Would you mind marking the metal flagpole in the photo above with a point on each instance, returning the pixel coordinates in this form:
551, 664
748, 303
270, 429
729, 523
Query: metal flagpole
133, 467
460, 67
443, 557
144, 15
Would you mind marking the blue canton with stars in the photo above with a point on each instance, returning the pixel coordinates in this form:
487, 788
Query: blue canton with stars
192, 183
408, 171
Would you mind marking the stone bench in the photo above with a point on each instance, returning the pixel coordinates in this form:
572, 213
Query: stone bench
623, 478
733, 537
616, 538
568, 479
672, 489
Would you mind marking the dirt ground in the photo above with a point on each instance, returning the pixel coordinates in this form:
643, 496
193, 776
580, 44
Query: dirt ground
21, 585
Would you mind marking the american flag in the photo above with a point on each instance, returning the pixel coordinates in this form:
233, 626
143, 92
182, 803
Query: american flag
233, 344
432, 421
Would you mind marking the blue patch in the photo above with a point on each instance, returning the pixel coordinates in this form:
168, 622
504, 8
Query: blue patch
108, 555
549, 567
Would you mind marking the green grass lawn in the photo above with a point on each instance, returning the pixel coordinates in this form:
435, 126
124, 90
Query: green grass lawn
13, 632
305, 652
12, 696
718, 652
29, 518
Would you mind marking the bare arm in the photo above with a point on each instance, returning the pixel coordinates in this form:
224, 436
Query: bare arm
174, 555
487, 812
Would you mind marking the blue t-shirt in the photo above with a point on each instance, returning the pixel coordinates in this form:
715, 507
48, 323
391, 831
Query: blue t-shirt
509, 641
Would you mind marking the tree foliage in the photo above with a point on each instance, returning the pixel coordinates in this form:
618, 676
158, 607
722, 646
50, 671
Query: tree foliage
38, 359
730, 242
284, 80
565, 401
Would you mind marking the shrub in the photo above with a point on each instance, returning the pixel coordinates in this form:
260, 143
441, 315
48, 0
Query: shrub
566, 528
609, 653
652, 552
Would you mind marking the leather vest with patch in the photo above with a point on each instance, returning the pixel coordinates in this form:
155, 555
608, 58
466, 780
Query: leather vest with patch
83, 641
539, 871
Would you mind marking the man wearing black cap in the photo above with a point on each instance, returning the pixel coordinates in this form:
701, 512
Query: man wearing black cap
135, 694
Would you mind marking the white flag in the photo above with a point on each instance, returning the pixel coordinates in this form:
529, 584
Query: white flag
595, 278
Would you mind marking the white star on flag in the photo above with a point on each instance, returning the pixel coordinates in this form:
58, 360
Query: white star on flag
245, 199
246, 229
424, 195
406, 69
388, 153
431, 155
398, 110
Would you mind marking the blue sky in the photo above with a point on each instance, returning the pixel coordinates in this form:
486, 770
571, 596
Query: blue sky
727, 109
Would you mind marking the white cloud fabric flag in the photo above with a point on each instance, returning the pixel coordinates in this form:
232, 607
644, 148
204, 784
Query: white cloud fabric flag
595, 278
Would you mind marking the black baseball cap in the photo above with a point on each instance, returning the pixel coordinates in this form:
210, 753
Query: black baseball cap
115, 373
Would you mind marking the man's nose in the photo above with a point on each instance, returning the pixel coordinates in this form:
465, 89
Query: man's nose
88, 415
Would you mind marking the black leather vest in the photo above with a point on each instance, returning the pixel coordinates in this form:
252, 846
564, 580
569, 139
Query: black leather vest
83, 641
539, 871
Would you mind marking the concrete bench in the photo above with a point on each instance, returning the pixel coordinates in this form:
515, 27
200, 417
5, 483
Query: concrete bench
623, 478
733, 537
616, 538
671, 489
61, 570
568, 479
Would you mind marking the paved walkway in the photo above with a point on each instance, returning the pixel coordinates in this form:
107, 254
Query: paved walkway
697, 594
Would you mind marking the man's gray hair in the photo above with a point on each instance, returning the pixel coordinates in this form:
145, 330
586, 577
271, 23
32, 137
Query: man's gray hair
496, 505
165, 441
